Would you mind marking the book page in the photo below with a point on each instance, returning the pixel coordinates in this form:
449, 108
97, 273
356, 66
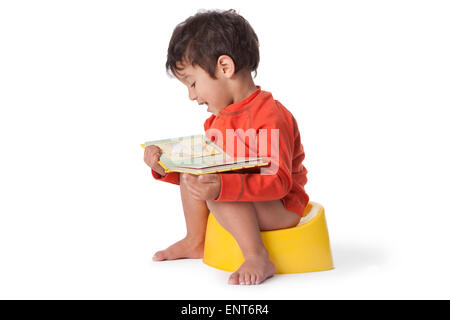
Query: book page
196, 151
187, 149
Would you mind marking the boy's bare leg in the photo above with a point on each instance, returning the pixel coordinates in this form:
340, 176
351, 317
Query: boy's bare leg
244, 220
196, 216
273, 216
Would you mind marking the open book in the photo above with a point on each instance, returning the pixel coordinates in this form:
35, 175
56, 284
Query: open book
198, 155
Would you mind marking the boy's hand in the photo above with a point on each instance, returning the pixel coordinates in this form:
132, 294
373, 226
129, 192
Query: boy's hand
203, 187
151, 157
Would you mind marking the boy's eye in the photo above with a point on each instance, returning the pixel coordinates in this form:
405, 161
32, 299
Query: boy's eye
193, 85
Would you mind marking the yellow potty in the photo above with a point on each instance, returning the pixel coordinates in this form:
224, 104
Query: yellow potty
304, 248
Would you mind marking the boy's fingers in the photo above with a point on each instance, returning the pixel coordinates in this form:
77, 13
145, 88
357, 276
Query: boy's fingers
207, 178
190, 177
204, 178
185, 178
192, 181
159, 169
196, 194
192, 190
153, 149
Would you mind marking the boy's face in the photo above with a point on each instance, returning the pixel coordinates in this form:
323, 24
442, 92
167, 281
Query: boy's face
204, 89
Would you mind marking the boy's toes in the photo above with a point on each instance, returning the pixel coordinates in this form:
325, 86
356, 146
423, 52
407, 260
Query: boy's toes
234, 278
242, 278
247, 278
159, 256
253, 279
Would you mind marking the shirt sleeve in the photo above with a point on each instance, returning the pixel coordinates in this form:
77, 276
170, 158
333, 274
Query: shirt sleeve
171, 177
274, 182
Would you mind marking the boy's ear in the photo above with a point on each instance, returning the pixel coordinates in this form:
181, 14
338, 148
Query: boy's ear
225, 66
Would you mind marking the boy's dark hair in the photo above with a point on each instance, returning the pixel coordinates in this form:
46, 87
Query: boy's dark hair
201, 39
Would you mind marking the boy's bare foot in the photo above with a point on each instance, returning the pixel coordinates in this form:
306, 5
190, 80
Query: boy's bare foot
254, 270
184, 248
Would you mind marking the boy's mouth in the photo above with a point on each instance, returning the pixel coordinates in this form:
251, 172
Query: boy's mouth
204, 102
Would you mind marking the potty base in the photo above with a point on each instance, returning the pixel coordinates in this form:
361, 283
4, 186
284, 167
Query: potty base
304, 248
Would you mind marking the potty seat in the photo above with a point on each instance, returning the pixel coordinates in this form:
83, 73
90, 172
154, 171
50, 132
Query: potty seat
303, 248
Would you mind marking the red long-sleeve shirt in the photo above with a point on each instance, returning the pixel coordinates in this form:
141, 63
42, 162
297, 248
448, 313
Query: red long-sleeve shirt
285, 178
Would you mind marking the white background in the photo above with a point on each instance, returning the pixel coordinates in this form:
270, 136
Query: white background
83, 83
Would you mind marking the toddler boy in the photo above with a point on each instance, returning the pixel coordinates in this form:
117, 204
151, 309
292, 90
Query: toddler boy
213, 54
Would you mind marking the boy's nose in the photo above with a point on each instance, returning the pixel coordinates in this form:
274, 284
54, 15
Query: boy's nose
192, 95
